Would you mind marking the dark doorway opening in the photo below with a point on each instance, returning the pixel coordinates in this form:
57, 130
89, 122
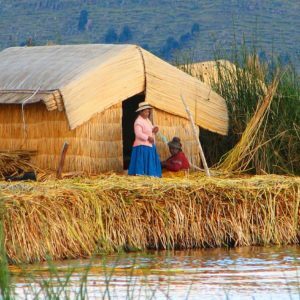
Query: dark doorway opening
129, 107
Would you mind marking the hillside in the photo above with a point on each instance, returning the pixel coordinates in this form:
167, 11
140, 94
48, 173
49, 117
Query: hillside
158, 25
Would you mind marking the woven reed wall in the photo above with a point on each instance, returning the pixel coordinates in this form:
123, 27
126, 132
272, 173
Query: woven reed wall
170, 126
95, 146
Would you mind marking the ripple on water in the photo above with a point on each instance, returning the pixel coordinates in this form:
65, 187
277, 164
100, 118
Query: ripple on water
239, 273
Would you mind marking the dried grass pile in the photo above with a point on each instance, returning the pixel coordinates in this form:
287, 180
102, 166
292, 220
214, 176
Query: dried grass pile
14, 162
81, 217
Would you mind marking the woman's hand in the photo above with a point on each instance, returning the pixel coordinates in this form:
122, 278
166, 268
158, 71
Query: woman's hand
155, 129
151, 139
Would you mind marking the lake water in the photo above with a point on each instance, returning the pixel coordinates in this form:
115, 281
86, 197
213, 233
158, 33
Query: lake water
239, 273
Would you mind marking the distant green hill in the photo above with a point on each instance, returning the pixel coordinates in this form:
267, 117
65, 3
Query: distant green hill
159, 25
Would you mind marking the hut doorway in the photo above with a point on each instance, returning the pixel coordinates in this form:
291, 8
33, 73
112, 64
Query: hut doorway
129, 115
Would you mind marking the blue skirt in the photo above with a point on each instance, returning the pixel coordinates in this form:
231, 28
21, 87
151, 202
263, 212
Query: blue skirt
144, 161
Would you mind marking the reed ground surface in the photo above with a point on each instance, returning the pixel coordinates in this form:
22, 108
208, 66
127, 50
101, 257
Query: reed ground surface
82, 217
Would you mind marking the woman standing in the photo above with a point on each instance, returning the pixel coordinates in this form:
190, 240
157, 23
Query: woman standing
144, 157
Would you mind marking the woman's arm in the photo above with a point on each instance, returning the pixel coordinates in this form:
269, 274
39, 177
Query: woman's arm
173, 165
176, 163
155, 129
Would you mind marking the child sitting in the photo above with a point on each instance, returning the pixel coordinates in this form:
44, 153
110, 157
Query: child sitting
177, 161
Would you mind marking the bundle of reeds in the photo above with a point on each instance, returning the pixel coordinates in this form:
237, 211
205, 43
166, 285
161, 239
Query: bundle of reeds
79, 218
239, 158
14, 162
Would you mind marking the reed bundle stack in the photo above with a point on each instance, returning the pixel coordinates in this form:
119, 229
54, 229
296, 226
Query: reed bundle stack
240, 156
79, 218
13, 162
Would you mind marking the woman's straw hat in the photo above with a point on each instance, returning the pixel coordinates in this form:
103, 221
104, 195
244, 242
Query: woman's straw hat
143, 105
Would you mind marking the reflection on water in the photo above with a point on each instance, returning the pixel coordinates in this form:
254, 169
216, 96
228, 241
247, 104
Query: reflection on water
240, 273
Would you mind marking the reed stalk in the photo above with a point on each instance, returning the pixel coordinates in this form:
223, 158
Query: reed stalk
5, 282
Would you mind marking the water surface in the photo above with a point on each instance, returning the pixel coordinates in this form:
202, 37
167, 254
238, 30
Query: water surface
239, 273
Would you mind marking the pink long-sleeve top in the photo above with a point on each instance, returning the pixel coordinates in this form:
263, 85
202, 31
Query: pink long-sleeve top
142, 129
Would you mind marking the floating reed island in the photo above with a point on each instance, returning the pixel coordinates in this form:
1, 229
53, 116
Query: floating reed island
74, 218
82, 217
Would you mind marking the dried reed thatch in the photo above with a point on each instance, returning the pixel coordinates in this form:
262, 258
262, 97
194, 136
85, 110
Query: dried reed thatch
163, 82
208, 71
12, 162
87, 79
82, 77
212, 72
78, 218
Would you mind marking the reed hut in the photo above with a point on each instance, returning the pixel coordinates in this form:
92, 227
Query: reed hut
209, 71
87, 95
215, 71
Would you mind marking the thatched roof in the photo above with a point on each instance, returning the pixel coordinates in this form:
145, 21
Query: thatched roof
210, 72
87, 79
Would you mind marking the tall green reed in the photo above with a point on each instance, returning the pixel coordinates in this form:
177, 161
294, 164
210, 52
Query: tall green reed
6, 289
95, 277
